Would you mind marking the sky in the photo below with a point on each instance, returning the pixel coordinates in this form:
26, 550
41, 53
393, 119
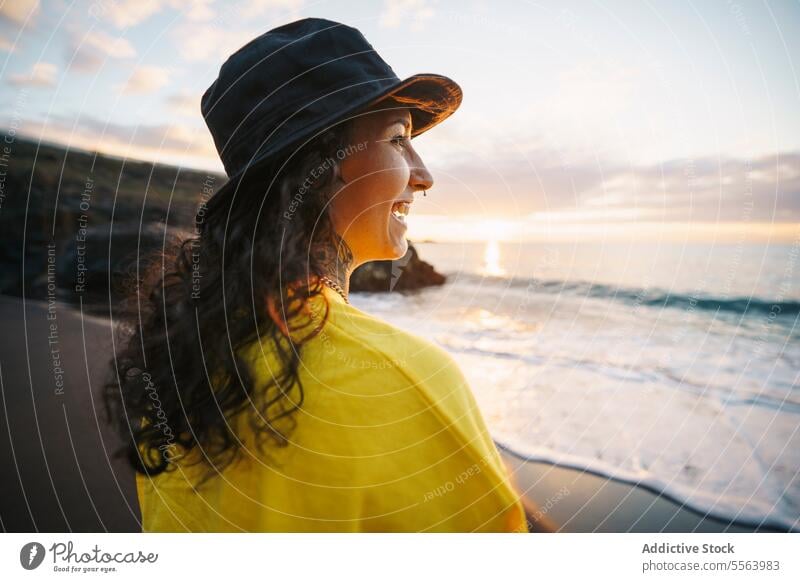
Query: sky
580, 119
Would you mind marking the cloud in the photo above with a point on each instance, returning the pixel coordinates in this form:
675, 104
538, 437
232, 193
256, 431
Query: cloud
204, 42
6, 46
286, 9
541, 183
41, 75
18, 11
479, 169
155, 138
200, 40
165, 143
396, 12
145, 79
87, 53
126, 13
184, 104
195, 10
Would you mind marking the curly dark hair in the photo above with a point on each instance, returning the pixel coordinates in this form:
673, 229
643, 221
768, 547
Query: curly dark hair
259, 245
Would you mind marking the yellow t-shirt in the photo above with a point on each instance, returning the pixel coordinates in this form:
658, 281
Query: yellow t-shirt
388, 438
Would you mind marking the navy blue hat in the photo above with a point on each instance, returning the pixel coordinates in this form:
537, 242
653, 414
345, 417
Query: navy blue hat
296, 80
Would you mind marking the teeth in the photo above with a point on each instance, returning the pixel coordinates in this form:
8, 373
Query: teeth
400, 210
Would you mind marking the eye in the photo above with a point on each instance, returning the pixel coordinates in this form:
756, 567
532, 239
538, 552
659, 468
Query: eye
400, 140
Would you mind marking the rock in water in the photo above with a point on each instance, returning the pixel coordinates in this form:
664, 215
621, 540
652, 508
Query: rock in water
404, 274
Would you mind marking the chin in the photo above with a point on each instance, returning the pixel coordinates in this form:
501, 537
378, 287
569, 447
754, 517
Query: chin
391, 251
399, 253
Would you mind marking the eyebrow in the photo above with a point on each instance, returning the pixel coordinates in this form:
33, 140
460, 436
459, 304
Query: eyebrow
405, 122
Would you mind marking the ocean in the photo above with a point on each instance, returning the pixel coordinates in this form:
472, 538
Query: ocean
675, 366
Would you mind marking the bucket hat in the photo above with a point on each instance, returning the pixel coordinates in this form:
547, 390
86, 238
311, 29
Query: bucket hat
298, 79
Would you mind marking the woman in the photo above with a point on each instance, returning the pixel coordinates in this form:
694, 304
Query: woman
253, 395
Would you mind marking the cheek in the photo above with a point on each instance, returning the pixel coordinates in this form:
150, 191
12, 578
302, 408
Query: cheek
374, 179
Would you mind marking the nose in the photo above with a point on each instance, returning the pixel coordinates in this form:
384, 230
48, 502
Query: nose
420, 178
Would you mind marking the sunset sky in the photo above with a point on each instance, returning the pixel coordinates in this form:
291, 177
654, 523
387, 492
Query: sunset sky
580, 119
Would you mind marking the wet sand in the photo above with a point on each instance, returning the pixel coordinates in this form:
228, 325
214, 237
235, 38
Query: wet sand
59, 473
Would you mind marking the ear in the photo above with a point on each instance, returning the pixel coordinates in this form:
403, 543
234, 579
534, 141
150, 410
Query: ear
338, 181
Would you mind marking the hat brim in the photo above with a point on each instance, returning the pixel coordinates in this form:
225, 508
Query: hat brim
430, 98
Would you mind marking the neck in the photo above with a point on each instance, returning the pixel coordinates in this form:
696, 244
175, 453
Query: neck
340, 277
334, 267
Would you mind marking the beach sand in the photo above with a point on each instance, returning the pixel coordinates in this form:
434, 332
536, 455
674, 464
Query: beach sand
59, 473
63, 476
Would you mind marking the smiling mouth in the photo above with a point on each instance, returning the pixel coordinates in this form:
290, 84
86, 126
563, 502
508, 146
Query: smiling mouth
400, 210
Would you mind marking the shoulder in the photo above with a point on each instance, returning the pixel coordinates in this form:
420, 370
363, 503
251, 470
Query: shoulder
354, 335
366, 356
360, 354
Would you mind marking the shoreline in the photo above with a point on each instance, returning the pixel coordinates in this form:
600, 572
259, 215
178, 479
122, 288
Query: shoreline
582, 501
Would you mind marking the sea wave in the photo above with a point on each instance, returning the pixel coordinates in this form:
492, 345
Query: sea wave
700, 410
645, 297
781, 400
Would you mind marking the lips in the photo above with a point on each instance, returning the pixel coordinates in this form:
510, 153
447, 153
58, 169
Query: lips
400, 209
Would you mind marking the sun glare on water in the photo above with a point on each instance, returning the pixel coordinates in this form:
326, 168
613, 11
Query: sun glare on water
492, 260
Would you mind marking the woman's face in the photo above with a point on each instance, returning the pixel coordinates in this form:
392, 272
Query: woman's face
380, 173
